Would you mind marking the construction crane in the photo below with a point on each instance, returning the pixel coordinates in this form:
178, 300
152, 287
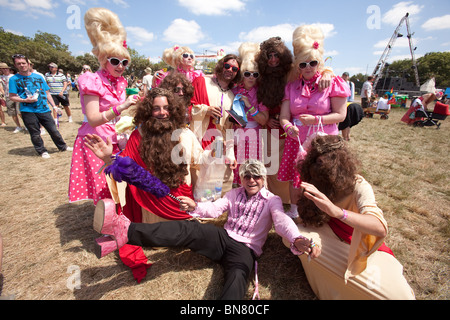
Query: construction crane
378, 72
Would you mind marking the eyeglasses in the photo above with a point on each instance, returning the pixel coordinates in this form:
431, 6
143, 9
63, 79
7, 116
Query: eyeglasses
248, 74
312, 64
18, 56
179, 89
187, 55
273, 55
227, 66
249, 176
115, 62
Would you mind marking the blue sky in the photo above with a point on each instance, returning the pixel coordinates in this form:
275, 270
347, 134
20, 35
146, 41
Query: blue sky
357, 32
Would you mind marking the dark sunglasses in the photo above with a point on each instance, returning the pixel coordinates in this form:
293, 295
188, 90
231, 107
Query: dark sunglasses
187, 55
178, 90
249, 176
312, 64
248, 74
115, 62
18, 56
228, 66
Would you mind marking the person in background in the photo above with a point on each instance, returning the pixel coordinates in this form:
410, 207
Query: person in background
58, 84
338, 211
351, 85
147, 80
33, 94
13, 108
366, 92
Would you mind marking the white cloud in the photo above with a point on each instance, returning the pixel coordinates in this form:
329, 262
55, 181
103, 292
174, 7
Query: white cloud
32, 8
399, 10
140, 34
17, 33
212, 7
438, 23
284, 31
184, 32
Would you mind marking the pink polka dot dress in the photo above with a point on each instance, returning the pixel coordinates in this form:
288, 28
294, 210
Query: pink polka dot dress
85, 183
305, 101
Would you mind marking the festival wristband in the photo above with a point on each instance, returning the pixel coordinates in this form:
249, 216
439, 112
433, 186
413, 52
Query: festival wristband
254, 114
287, 126
345, 216
116, 112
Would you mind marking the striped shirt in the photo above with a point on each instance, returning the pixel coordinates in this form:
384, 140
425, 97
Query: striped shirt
56, 82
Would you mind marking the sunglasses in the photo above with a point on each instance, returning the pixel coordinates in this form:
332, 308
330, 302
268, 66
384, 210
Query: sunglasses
18, 56
187, 55
249, 176
115, 62
228, 66
248, 74
312, 64
178, 90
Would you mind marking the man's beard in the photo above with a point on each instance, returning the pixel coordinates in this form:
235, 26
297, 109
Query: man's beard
159, 126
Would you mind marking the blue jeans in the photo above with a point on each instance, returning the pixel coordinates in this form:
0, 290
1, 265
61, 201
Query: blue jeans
33, 122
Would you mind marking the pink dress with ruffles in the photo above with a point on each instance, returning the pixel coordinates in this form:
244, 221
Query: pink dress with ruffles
302, 101
85, 183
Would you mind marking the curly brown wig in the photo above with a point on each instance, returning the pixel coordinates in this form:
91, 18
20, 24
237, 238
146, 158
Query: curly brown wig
219, 68
332, 168
172, 80
156, 145
273, 80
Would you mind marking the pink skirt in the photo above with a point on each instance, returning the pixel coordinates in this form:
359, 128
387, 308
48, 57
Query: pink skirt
85, 183
288, 170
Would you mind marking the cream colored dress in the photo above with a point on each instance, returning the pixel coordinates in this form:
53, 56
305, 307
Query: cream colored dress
356, 271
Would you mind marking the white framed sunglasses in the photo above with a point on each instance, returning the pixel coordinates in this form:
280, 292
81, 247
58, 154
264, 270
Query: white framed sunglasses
115, 62
187, 55
248, 74
312, 64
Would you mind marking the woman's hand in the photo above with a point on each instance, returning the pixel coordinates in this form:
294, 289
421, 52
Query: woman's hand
131, 100
325, 81
307, 119
187, 204
321, 201
293, 132
103, 150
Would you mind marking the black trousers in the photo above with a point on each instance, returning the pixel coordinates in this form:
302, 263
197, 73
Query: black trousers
208, 240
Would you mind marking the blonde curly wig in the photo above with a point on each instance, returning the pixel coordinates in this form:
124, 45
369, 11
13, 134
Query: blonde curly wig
173, 56
107, 34
307, 41
247, 53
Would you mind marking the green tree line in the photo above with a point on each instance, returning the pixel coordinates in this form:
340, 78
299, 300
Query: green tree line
45, 48
431, 65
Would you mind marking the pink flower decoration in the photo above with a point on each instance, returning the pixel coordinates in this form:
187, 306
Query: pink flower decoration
176, 48
316, 45
125, 44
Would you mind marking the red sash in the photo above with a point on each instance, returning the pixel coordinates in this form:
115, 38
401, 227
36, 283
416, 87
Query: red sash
201, 97
344, 231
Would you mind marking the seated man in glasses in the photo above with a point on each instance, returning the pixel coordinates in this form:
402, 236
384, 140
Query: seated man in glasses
33, 94
252, 210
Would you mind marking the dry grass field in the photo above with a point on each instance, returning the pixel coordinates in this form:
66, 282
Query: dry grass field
46, 239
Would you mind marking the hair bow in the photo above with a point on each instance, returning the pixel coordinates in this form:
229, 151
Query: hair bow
316, 45
125, 44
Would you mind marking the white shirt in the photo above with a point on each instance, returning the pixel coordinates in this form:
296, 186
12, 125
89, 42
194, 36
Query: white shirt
366, 86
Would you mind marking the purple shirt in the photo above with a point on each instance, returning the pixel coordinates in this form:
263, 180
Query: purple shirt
250, 220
